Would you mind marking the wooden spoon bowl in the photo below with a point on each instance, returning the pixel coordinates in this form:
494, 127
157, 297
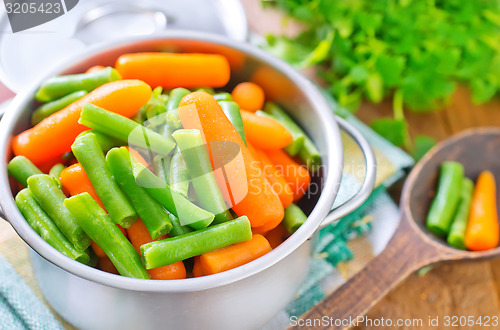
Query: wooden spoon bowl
413, 246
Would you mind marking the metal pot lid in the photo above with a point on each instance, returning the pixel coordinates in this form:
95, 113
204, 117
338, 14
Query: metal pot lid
26, 55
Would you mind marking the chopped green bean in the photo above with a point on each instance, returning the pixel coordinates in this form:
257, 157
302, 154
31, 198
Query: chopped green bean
149, 210
21, 168
456, 237
105, 141
124, 129
187, 212
294, 218
178, 175
175, 97
48, 109
197, 160
223, 96
89, 153
55, 172
106, 235
208, 90
172, 250
44, 226
447, 198
157, 104
51, 199
232, 111
59, 86
161, 166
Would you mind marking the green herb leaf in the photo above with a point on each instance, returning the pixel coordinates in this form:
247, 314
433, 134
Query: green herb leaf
422, 145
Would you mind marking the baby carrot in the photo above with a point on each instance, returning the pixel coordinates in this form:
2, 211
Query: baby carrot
171, 70
249, 96
279, 184
265, 133
277, 236
59, 130
95, 68
259, 202
482, 229
197, 271
138, 235
296, 175
233, 256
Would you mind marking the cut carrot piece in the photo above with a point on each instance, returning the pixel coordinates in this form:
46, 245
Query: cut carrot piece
277, 236
265, 133
297, 175
95, 68
197, 271
139, 235
172, 70
106, 265
54, 135
249, 96
482, 229
278, 183
260, 203
234, 256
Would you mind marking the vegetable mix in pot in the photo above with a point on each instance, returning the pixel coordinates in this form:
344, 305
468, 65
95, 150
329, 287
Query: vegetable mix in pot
161, 184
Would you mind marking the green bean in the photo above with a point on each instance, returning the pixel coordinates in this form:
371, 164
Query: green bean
105, 141
200, 170
21, 168
223, 96
44, 226
178, 175
232, 111
149, 210
456, 237
51, 199
157, 104
106, 235
298, 135
175, 97
161, 166
172, 250
177, 228
59, 86
294, 218
173, 120
89, 153
94, 259
447, 198
55, 172
187, 212
124, 129
48, 109
208, 90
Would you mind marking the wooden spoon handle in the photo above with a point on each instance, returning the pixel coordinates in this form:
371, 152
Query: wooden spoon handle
405, 253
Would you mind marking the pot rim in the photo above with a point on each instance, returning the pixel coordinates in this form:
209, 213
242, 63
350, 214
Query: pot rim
333, 172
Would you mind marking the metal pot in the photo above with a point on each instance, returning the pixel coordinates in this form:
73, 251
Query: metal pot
242, 298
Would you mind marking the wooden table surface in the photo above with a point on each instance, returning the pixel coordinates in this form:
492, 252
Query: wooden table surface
461, 289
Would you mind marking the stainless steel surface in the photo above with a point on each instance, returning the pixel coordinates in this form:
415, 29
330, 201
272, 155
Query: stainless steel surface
369, 180
92, 22
244, 297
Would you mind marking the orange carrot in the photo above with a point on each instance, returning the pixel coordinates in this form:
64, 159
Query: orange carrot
137, 156
265, 133
249, 96
106, 265
95, 68
75, 181
280, 186
277, 236
482, 229
54, 135
197, 271
234, 255
260, 203
171, 70
297, 175
138, 235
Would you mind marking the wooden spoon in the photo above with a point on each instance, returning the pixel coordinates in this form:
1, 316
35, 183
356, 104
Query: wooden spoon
413, 246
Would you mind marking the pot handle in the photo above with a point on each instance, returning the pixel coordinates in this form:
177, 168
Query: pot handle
368, 183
